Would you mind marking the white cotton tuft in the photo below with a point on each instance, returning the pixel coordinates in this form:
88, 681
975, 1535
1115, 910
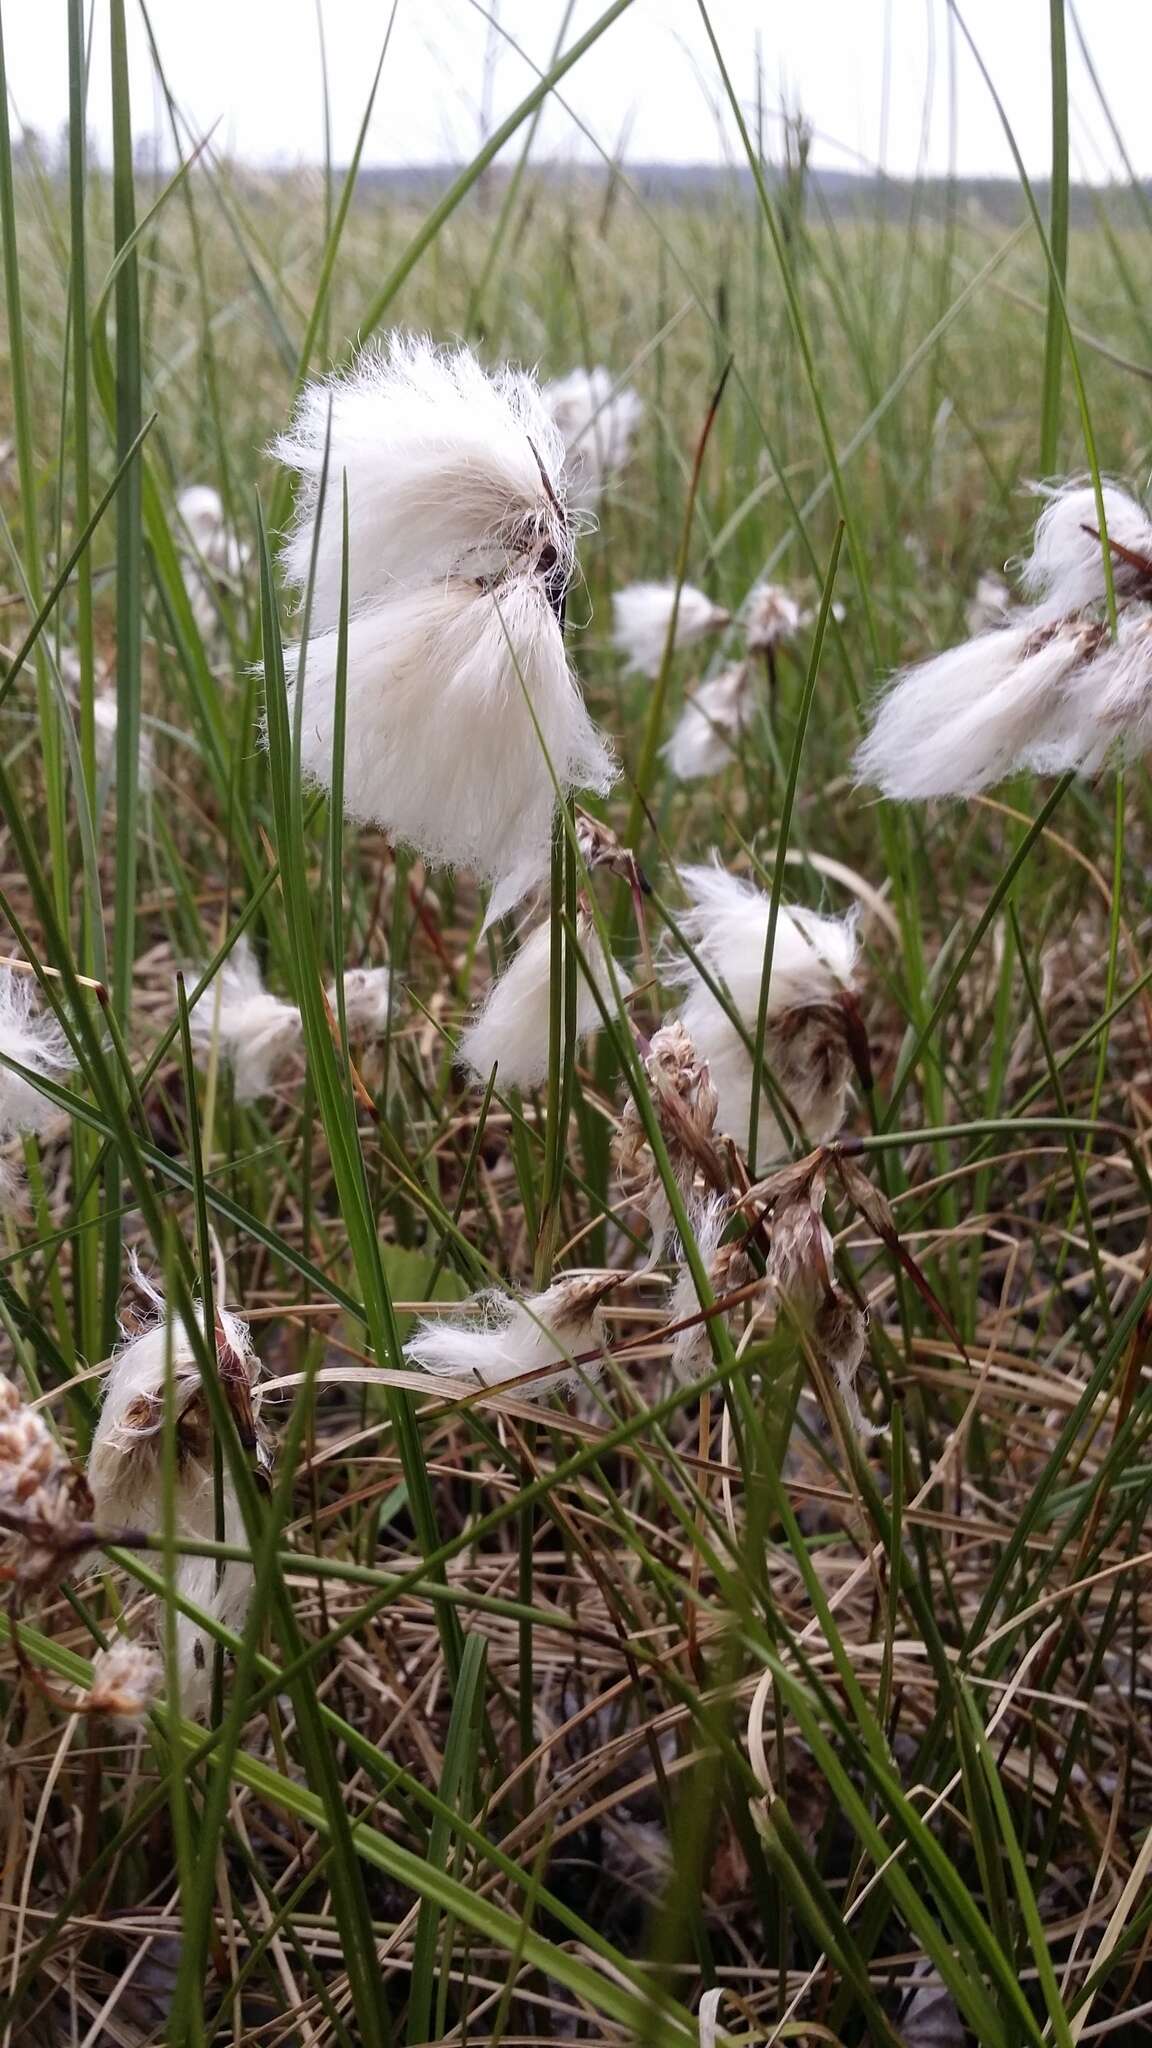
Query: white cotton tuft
504, 1339
966, 719
770, 615
442, 750
255, 1031
32, 1037
988, 605
459, 691
1065, 570
213, 557
367, 1001
813, 962
598, 424
706, 736
642, 614
727, 1267
511, 1031
126, 1465
1110, 701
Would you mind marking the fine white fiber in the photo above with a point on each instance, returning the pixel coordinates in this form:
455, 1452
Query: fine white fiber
965, 719
642, 615
512, 1029
989, 603
499, 1338
598, 424
459, 691
1065, 571
769, 616
126, 1470
813, 962
367, 1001
728, 1268
254, 1031
32, 1037
706, 736
213, 558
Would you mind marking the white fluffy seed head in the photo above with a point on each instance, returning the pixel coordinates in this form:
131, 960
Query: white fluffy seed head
41, 1491
1065, 571
705, 738
966, 719
728, 1268
770, 615
642, 614
598, 424
255, 1031
126, 1469
535, 1340
32, 1037
127, 1678
511, 1031
367, 1001
814, 960
989, 603
459, 691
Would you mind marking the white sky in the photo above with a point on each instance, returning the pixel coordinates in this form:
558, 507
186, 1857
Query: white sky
874, 76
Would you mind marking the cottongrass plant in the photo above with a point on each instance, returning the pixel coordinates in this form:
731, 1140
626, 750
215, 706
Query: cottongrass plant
1052, 688
257, 1034
463, 714
642, 618
44, 1499
156, 1373
31, 1037
807, 1045
538, 1345
597, 419
213, 559
512, 1030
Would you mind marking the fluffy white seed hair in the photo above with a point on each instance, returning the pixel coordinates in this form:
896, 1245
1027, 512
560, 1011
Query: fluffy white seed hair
813, 962
1110, 700
459, 691
965, 719
213, 556
1065, 570
691, 1354
642, 612
511, 1031
989, 603
367, 1001
498, 1338
254, 1031
125, 1473
705, 738
770, 614
32, 1037
598, 424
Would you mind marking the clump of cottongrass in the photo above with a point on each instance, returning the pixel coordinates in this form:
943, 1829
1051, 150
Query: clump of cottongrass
33, 1038
212, 558
1050, 689
127, 1680
642, 617
461, 705
729, 1270
511, 1032
255, 1032
45, 1504
989, 604
707, 735
597, 420
806, 1046
367, 1001
541, 1343
769, 616
685, 1103
126, 1468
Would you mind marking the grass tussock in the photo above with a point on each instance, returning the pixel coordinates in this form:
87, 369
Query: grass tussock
601, 1550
